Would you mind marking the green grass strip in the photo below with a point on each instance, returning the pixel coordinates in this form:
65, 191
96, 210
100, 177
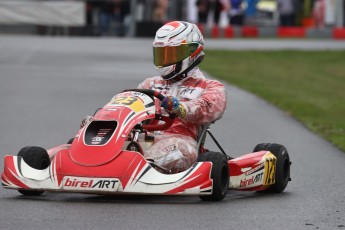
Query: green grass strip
309, 85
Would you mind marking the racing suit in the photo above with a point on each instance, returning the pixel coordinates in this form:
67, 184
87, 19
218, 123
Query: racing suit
205, 102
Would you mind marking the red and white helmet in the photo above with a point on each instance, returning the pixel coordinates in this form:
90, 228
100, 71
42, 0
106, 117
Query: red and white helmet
177, 48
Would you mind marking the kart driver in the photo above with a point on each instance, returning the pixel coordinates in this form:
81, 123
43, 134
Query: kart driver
177, 50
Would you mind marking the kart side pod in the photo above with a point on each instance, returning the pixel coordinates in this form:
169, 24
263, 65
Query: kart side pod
266, 169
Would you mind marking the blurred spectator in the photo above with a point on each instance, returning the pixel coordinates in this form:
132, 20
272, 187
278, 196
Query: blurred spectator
125, 9
236, 13
218, 7
319, 13
286, 9
109, 13
250, 12
160, 10
191, 11
203, 10
140, 10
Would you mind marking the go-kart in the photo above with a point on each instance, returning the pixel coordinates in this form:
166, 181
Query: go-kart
107, 157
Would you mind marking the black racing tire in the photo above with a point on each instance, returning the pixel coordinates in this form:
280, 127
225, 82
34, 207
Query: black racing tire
219, 175
37, 158
30, 192
282, 174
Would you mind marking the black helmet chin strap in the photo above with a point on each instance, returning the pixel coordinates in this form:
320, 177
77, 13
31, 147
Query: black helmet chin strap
177, 69
184, 73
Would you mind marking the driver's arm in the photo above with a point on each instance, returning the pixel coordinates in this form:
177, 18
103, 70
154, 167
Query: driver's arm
209, 106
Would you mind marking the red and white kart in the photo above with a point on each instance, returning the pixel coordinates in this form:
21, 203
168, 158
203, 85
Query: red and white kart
106, 157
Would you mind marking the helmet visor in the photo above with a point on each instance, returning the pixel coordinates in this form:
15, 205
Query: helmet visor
169, 55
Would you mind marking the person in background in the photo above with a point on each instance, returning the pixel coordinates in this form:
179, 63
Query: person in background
250, 12
319, 13
203, 10
218, 7
109, 13
160, 10
236, 13
286, 9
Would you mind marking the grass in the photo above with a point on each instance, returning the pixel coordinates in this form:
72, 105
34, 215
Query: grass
309, 85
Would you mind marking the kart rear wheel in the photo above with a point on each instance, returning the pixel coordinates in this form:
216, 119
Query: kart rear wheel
37, 158
282, 175
219, 175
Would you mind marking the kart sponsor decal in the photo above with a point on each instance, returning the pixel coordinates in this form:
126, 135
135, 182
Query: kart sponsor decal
254, 170
91, 184
133, 102
245, 169
101, 134
252, 180
270, 169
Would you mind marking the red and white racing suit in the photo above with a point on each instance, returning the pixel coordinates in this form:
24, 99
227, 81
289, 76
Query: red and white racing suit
205, 102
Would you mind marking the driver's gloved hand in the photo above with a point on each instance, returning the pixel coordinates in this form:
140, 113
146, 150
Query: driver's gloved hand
172, 105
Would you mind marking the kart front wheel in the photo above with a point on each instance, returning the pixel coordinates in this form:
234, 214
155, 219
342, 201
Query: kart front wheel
219, 175
37, 158
282, 174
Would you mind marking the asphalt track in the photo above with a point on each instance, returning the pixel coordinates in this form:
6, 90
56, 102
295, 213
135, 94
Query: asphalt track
48, 84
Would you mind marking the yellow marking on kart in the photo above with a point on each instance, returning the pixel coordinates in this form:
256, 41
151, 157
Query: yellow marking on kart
270, 169
133, 102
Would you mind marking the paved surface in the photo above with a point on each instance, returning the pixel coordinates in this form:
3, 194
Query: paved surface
48, 85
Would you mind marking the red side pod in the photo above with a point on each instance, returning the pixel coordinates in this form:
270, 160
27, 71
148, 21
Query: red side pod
248, 172
237, 165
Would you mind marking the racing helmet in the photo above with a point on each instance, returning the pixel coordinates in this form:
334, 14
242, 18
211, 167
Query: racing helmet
177, 48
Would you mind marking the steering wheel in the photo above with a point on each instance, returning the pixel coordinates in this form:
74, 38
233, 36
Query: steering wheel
168, 120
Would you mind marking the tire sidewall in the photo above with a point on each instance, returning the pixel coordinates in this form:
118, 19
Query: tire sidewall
219, 175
